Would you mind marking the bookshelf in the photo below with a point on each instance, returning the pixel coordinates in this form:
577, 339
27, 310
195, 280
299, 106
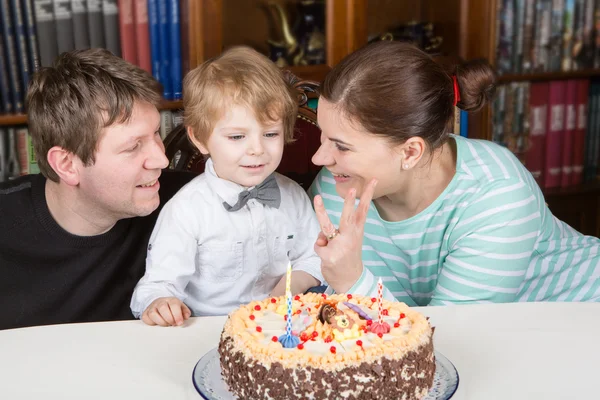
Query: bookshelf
549, 76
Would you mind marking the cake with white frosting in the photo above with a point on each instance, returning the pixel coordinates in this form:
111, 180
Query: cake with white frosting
345, 347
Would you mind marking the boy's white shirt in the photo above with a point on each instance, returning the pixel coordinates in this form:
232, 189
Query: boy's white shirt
214, 260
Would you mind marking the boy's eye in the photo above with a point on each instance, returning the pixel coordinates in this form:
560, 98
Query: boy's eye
236, 137
271, 134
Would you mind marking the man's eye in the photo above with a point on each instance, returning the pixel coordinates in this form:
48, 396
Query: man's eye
134, 148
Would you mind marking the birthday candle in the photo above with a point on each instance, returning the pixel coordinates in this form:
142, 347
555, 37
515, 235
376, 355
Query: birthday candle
288, 294
380, 299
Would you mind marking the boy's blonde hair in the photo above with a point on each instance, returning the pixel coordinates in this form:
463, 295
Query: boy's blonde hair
239, 76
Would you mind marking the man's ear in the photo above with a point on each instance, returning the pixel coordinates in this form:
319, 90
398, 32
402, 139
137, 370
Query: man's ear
200, 146
65, 164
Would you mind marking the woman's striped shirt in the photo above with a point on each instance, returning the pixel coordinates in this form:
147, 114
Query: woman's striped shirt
489, 237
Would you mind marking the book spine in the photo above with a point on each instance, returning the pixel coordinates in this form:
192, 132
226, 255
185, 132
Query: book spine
506, 31
127, 31
21, 44
556, 127
46, 30
558, 8
569, 135
568, 35
142, 34
110, 12
80, 24
165, 51
528, 31
583, 94
538, 113
154, 38
11, 56
95, 23
175, 48
5, 100
64, 25
31, 35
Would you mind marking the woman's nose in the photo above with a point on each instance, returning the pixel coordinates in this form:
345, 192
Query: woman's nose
322, 156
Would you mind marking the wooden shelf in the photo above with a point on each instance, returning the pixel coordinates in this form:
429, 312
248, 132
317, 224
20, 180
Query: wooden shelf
21, 119
549, 76
13, 119
584, 188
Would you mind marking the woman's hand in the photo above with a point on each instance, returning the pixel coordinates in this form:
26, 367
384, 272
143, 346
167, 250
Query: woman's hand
341, 249
166, 311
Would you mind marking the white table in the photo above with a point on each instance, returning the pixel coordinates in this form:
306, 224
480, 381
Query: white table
504, 351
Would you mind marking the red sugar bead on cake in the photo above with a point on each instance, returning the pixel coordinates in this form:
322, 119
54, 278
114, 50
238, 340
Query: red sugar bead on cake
385, 312
332, 349
359, 343
273, 300
396, 325
252, 317
257, 307
274, 339
349, 296
373, 299
296, 297
258, 329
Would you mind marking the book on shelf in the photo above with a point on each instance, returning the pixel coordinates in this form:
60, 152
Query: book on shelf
547, 35
144, 32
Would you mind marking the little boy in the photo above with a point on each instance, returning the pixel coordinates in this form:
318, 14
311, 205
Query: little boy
226, 238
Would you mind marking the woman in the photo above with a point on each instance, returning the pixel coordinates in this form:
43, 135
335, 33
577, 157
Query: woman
442, 219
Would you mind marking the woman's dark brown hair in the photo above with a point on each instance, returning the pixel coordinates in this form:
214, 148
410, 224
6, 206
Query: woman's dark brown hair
398, 91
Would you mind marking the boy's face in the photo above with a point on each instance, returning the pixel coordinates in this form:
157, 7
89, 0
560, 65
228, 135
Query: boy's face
123, 181
242, 150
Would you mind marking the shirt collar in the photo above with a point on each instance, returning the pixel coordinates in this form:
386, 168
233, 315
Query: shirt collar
228, 191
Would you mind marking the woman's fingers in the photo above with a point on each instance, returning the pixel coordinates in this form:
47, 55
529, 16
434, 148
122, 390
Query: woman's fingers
365, 202
324, 221
348, 210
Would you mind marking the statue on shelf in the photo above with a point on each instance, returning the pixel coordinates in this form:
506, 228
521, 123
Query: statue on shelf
420, 34
302, 43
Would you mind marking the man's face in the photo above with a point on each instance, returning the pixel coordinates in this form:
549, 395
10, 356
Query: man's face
123, 182
242, 149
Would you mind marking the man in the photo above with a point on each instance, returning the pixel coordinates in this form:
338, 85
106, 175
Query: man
73, 239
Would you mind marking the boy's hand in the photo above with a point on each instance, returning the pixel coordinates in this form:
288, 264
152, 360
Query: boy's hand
166, 311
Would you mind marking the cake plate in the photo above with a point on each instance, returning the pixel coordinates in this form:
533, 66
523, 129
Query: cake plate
209, 384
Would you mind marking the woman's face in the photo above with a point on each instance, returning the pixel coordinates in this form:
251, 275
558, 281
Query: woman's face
355, 156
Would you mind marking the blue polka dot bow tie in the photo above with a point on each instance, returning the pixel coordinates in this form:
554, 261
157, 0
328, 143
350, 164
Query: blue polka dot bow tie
267, 193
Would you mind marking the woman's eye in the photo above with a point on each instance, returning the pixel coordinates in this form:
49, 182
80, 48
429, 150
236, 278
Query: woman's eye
340, 147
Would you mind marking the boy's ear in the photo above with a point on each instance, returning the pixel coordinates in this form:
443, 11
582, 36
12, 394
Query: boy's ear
200, 146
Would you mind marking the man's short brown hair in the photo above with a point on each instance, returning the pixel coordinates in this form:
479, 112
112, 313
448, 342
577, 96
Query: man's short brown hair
240, 76
85, 91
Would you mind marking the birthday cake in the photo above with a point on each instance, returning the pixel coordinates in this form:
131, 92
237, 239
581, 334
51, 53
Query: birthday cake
333, 347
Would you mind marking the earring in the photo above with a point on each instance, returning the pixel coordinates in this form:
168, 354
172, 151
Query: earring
405, 166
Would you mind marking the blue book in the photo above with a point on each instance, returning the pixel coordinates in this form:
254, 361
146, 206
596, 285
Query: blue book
464, 124
5, 101
31, 35
11, 56
164, 49
21, 43
154, 35
175, 44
